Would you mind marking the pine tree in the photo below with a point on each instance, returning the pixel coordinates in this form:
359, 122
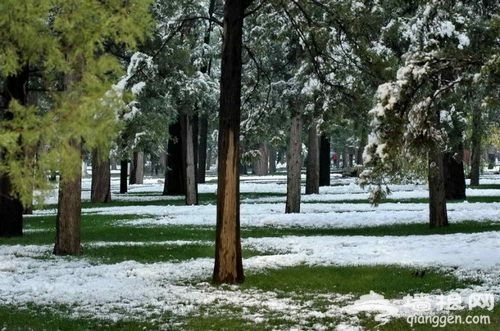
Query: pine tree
65, 43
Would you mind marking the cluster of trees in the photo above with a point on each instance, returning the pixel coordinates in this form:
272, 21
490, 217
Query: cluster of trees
260, 77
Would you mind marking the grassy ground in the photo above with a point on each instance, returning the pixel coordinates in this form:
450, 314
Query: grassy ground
310, 286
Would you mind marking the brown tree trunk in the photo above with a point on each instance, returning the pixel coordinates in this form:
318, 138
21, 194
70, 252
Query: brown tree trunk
475, 169
261, 166
312, 172
202, 149
69, 210
175, 175
100, 190
272, 160
228, 267
137, 168
324, 161
438, 216
191, 187
454, 175
123, 176
293, 165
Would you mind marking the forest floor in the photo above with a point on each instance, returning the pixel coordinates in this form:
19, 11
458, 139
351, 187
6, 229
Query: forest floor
340, 264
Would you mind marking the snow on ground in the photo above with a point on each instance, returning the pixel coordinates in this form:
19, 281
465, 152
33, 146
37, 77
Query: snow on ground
30, 274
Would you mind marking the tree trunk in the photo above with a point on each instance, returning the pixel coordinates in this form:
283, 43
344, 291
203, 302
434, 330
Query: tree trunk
261, 165
202, 149
113, 164
438, 216
123, 176
272, 160
191, 187
454, 176
324, 161
69, 210
293, 165
361, 147
312, 172
100, 190
475, 169
228, 267
11, 210
137, 168
175, 178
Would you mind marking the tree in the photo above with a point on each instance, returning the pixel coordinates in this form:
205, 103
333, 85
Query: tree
294, 164
64, 43
228, 266
408, 118
312, 174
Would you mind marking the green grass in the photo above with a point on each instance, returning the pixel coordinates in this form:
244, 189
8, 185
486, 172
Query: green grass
38, 318
153, 253
390, 281
303, 284
105, 228
486, 186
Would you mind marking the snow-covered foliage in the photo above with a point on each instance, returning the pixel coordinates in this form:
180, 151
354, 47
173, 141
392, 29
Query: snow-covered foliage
416, 111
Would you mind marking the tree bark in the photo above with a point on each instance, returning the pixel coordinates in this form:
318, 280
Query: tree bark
202, 149
123, 176
272, 160
324, 161
228, 267
175, 175
191, 187
137, 168
312, 172
438, 216
293, 165
454, 175
100, 190
261, 166
69, 210
476, 138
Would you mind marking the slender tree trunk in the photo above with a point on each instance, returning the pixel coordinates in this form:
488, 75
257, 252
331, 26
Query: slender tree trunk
175, 178
191, 187
312, 172
113, 163
261, 166
228, 267
137, 168
324, 161
100, 190
69, 210
123, 176
293, 165
272, 160
475, 170
202, 149
438, 216
361, 147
